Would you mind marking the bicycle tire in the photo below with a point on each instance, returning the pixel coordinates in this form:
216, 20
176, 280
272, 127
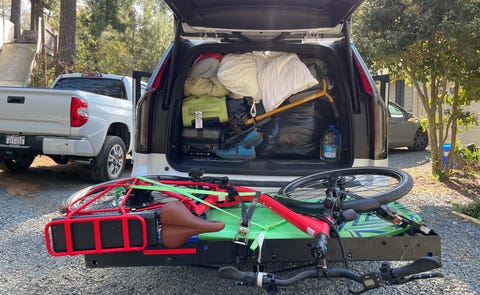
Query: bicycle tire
382, 184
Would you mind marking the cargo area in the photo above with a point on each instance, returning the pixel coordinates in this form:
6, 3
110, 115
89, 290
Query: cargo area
255, 108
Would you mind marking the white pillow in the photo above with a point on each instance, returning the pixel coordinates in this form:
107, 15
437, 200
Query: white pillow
238, 73
280, 76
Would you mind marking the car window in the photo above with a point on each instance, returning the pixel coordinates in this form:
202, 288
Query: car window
395, 112
109, 87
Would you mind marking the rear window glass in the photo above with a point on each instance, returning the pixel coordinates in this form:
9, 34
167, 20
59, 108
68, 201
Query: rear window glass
109, 87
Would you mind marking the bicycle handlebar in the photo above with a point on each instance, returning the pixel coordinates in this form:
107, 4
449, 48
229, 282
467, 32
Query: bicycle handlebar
422, 264
386, 275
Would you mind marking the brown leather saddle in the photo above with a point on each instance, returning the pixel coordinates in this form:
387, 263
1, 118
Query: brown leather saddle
179, 224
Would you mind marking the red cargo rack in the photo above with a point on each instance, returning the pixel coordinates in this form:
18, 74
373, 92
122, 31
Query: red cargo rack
94, 235
95, 231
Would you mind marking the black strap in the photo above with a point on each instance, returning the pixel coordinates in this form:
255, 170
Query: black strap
247, 215
232, 193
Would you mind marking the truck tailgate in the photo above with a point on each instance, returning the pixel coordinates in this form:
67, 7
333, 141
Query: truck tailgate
35, 111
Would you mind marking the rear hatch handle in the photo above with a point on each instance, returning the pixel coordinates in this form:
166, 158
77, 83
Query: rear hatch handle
16, 99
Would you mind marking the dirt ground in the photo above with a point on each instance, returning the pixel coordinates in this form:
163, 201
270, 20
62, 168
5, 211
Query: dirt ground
458, 183
20, 186
43, 171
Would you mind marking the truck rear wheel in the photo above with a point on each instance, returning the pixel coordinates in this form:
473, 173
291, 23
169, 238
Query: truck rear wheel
110, 162
17, 163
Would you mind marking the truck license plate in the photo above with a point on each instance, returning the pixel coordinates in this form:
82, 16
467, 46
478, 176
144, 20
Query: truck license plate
15, 139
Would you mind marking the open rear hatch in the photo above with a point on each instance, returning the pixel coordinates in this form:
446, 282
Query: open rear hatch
203, 134
292, 142
257, 17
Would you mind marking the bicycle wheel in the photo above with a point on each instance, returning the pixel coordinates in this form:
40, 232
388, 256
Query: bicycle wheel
356, 185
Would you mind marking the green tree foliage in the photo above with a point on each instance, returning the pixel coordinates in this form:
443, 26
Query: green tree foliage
434, 45
152, 35
119, 36
108, 54
107, 13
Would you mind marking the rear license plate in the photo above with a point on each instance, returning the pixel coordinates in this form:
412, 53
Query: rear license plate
15, 139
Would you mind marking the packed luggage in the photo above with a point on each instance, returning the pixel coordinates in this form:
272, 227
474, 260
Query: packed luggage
251, 105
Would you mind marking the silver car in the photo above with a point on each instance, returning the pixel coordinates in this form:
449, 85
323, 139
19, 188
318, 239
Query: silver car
404, 129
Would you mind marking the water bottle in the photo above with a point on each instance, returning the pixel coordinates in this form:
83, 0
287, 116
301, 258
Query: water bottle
330, 145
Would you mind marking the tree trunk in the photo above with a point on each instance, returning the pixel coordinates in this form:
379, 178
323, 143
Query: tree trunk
431, 108
66, 38
454, 128
44, 55
437, 157
15, 18
36, 11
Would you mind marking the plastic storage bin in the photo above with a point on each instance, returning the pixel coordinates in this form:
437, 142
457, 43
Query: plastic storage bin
446, 150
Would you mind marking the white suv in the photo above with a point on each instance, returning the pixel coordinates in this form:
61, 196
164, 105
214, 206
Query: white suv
248, 89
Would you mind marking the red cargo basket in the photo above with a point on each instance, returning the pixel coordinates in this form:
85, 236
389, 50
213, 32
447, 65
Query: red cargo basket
93, 231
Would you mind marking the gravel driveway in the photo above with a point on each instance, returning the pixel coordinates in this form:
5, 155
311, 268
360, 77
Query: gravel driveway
30, 200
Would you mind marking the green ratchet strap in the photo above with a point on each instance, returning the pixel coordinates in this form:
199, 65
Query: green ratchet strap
189, 193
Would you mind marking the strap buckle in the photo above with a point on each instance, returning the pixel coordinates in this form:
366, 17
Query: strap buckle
241, 236
244, 224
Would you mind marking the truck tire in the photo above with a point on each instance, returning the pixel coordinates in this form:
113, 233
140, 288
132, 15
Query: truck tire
110, 162
18, 163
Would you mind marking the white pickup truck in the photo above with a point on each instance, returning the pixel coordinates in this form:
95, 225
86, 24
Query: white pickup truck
86, 118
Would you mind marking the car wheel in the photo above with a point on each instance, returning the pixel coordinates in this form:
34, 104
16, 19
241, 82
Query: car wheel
18, 163
110, 163
420, 141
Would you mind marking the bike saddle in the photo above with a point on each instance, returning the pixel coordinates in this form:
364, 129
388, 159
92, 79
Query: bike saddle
179, 224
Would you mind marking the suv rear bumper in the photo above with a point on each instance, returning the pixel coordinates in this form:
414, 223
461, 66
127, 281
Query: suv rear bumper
158, 164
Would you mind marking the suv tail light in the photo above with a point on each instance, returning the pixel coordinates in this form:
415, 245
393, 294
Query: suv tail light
78, 112
378, 139
363, 76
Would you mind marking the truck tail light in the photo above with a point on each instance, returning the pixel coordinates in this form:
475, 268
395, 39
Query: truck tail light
78, 112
